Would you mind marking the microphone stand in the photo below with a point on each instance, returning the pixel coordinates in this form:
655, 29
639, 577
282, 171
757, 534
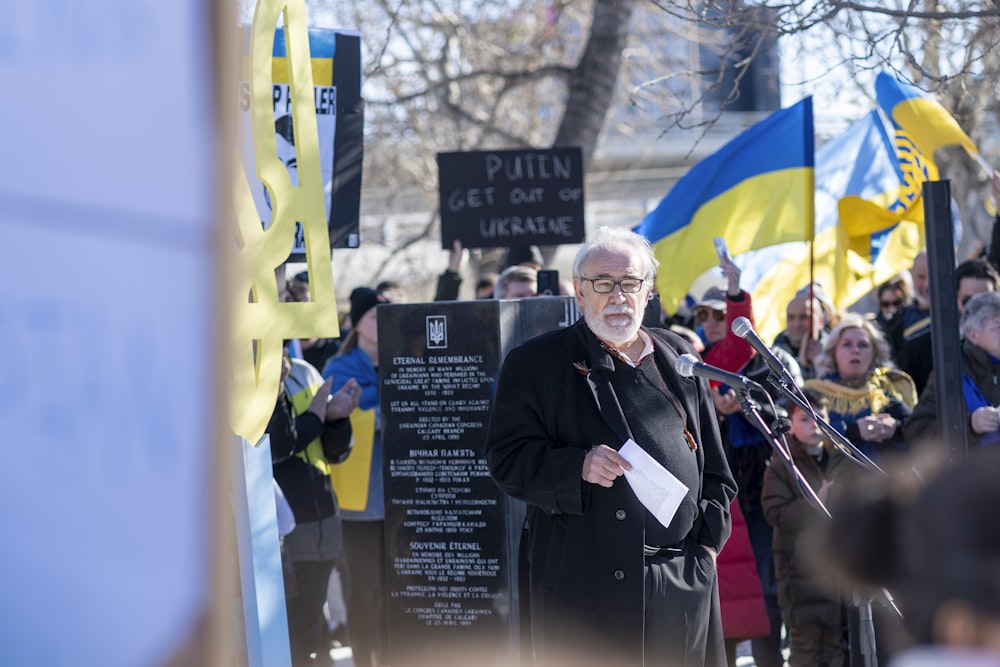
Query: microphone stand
862, 632
752, 414
840, 441
866, 631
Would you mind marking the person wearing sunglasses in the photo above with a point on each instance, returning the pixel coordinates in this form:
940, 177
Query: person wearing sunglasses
710, 315
893, 296
746, 452
714, 315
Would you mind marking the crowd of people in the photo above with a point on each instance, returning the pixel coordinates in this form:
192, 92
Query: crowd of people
327, 456
853, 369
729, 566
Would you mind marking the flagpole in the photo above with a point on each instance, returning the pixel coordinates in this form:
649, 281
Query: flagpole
812, 236
812, 283
982, 162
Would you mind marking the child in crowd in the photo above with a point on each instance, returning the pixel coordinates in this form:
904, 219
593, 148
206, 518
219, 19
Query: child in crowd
813, 612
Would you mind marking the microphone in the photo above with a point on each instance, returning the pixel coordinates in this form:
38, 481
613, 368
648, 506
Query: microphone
687, 365
743, 329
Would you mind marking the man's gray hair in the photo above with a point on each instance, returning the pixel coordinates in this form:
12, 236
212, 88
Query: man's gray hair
979, 310
617, 239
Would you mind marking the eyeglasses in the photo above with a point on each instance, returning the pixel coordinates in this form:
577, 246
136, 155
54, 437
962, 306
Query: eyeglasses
898, 303
703, 313
607, 285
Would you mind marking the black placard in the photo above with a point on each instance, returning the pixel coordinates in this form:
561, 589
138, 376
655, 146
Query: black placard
451, 534
348, 145
511, 198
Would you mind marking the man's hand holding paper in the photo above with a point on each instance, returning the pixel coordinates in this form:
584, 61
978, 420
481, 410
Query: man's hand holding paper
603, 465
655, 487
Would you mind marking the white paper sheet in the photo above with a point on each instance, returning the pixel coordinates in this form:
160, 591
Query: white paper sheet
655, 486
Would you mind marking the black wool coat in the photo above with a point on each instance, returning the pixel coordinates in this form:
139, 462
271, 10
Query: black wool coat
585, 550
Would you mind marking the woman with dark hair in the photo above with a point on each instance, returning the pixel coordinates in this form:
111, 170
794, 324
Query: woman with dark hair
893, 296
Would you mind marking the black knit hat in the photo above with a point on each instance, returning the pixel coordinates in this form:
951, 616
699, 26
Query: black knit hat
364, 299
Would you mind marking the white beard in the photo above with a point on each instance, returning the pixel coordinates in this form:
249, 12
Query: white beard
617, 334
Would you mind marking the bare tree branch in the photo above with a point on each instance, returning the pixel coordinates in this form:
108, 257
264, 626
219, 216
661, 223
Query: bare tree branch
936, 15
444, 75
509, 79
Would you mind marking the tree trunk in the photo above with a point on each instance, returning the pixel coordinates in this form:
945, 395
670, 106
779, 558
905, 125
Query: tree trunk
592, 84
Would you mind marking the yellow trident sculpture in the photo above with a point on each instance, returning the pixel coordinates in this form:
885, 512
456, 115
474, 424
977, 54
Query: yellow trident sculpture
261, 320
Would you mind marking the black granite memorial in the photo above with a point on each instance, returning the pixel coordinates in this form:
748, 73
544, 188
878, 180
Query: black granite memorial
452, 535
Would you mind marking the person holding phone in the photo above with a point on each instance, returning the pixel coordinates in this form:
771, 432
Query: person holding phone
746, 451
715, 314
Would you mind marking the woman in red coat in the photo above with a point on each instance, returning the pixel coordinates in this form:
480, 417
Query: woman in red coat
743, 613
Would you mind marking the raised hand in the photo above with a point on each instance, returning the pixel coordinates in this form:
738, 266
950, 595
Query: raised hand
343, 402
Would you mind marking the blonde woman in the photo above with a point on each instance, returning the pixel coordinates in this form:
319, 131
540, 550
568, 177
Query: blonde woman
869, 398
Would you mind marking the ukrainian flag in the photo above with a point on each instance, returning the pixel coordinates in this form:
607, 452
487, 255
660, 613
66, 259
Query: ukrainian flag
927, 123
322, 49
868, 225
755, 191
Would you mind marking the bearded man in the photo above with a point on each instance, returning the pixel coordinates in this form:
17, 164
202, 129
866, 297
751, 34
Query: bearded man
609, 583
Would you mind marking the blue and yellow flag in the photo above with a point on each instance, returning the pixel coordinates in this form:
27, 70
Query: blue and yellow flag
755, 191
927, 123
868, 225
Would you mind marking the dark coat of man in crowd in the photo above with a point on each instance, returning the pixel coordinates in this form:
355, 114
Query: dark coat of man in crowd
980, 380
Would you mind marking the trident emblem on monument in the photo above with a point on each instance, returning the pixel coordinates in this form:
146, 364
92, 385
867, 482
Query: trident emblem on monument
437, 331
